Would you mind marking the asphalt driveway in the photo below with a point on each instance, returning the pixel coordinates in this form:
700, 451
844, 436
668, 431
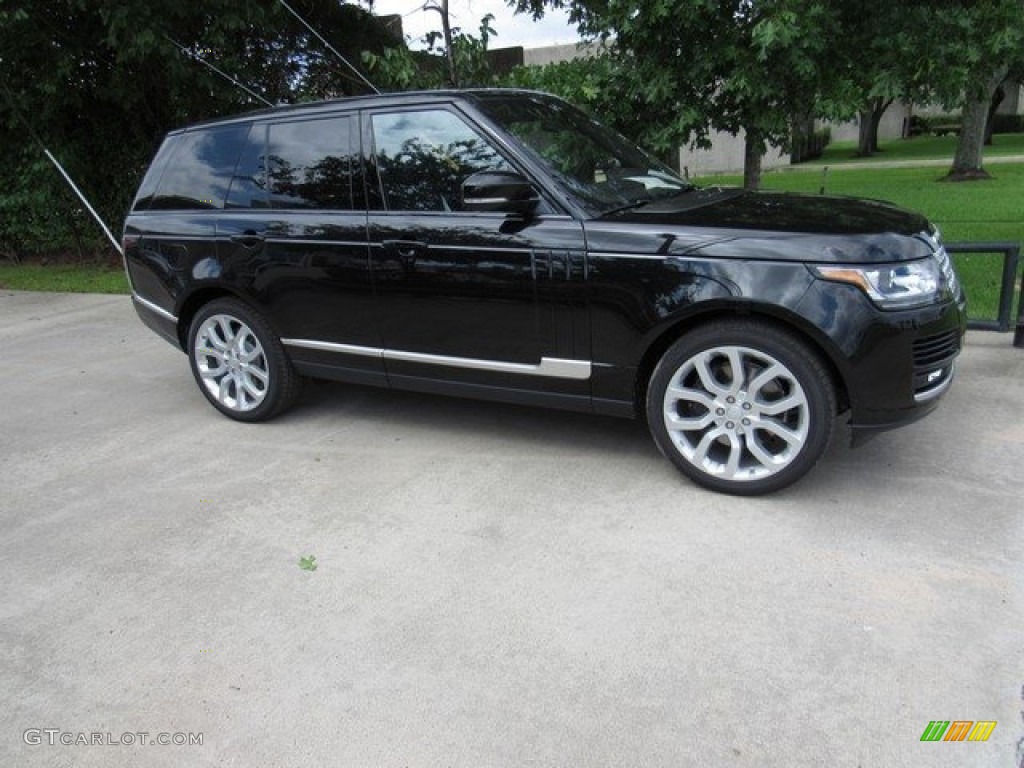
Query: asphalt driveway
496, 586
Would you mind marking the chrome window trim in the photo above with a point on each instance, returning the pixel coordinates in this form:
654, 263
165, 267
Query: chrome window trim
168, 236
525, 250
553, 367
306, 241
490, 214
154, 308
647, 256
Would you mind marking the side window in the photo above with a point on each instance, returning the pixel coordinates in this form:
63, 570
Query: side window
310, 164
199, 172
144, 197
424, 156
249, 184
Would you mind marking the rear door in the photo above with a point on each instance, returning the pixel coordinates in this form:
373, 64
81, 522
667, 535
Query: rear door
295, 231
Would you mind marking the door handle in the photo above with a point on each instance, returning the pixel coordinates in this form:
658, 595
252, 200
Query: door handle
407, 251
248, 239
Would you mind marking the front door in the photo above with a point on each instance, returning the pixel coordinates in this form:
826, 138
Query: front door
477, 298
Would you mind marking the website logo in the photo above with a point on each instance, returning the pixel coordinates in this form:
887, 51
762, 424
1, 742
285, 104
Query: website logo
958, 730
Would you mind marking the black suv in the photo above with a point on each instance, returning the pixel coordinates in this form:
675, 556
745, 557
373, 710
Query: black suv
504, 245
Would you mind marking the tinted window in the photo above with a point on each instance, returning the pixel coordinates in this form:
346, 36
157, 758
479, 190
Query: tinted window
423, 157
200, 170
144, 197
310, 164
249, 185
601, 169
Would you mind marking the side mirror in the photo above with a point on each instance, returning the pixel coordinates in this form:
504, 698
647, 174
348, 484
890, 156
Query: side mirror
499, 191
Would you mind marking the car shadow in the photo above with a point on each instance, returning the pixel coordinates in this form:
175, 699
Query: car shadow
451, 418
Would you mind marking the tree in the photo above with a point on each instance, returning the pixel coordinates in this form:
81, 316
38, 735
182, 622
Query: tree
703, 65
460, 62
101, 82
976, 44
876, 57
600, 84
441, 6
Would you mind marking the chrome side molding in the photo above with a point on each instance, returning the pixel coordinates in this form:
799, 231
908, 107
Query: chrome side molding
553, 367
154, 308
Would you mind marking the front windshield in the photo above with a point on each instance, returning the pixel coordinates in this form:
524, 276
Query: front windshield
596, 166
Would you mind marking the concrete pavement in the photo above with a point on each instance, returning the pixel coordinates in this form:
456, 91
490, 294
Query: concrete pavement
496, 586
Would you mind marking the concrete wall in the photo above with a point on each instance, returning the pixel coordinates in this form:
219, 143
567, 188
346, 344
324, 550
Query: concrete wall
1013, 103
725, 156
552, 54
893, 126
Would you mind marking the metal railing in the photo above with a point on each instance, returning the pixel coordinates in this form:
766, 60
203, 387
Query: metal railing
1004, 322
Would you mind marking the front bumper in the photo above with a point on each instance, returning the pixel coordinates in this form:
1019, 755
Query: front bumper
896, 366
933, 354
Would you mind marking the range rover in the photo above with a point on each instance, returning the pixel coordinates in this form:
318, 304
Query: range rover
502, 244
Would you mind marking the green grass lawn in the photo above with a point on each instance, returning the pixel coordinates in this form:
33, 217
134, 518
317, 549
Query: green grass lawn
965, 212
65, 278
917, 148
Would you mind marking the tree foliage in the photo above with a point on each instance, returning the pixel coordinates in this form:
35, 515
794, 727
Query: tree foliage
600, 85
761, 66
696, 66
101, 81
877, 59
400, 68
976, 45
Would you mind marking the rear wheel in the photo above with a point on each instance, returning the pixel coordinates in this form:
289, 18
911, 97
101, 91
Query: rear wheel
239, 363
741, 407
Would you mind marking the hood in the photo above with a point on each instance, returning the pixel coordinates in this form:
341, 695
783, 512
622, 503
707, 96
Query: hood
784, 226
780, 212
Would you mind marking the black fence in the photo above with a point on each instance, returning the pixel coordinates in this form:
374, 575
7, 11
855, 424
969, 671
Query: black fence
1004, 322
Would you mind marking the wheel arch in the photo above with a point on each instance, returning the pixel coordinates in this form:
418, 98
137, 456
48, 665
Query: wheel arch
784, 321
196, 301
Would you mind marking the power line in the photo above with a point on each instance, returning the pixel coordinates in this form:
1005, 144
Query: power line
85, 202
330, 47
60, 168
225, 75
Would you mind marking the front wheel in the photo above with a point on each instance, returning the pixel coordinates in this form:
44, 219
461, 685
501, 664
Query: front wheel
741, 407
239, 363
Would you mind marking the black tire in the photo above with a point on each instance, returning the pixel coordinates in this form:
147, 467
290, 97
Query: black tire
746, 435
239, 363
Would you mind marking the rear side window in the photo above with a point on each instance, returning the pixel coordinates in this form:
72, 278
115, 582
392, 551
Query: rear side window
312, 164
199, 171
144, 197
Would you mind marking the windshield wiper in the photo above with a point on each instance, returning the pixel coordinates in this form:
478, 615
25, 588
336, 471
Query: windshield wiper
647, 201
628, 207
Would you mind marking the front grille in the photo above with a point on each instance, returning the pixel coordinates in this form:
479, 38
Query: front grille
932, 351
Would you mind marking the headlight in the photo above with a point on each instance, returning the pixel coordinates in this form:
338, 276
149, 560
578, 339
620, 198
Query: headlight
948, 271
891, 286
